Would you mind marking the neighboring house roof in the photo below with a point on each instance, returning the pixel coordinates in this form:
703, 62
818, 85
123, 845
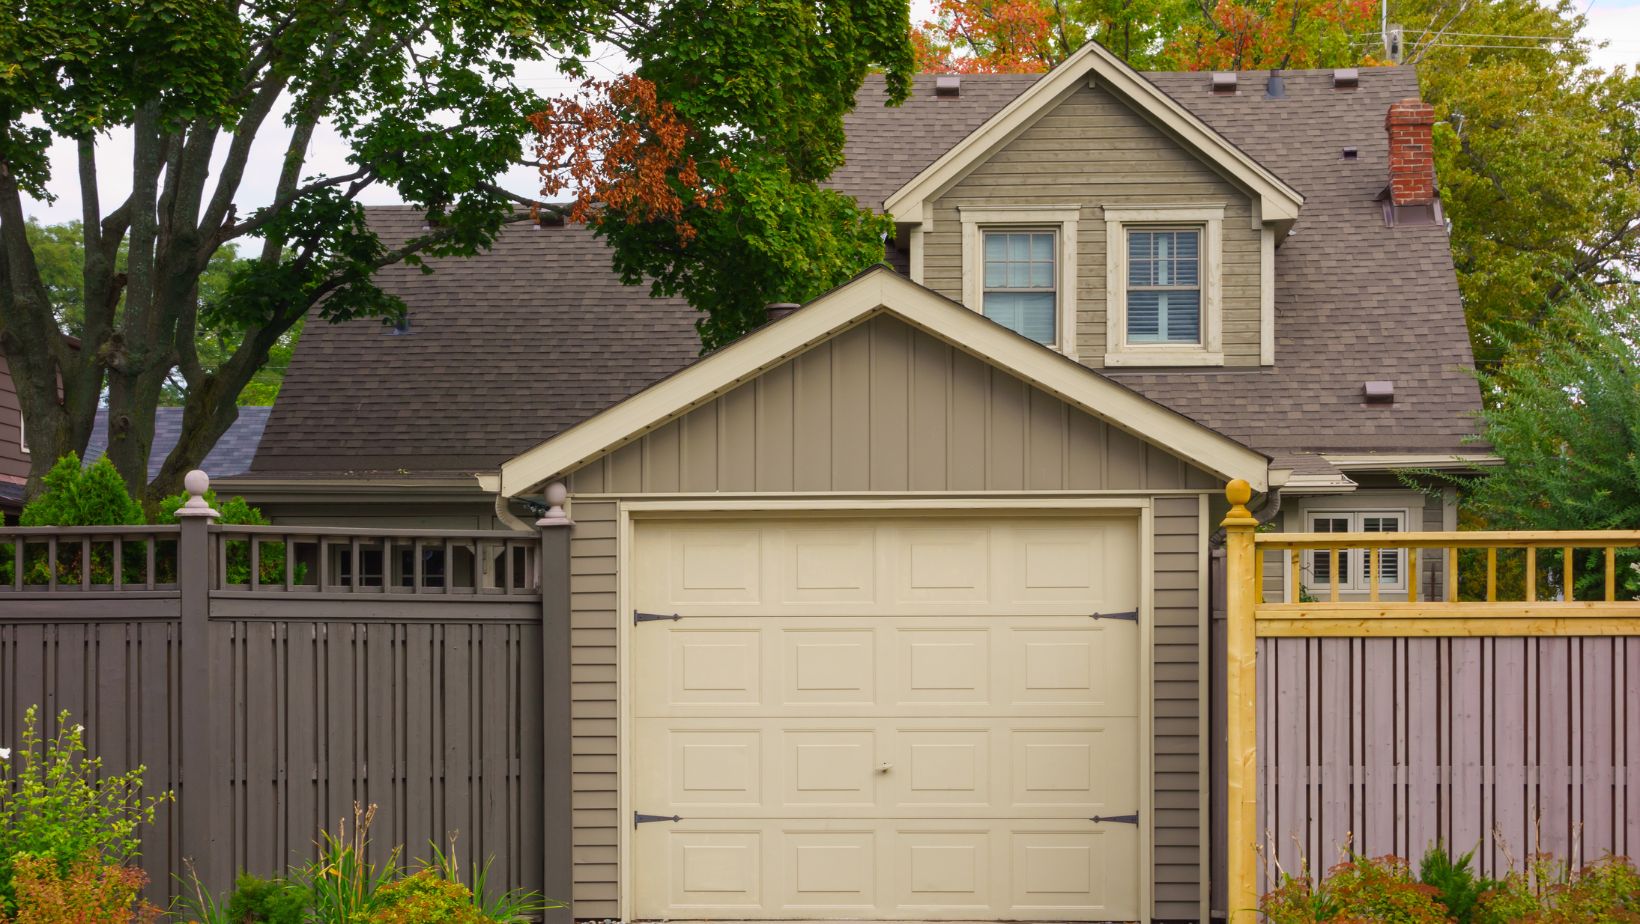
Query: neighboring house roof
882, 291
513, 347
11, 495
232, 454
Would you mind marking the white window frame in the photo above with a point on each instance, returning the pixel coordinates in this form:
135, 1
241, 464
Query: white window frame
1210, 350
1354, 561
1061, 219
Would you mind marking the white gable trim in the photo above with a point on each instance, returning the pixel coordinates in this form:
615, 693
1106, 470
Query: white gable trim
912, 203
878, 292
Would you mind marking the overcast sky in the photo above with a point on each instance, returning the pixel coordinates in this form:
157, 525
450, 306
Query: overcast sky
1615, 22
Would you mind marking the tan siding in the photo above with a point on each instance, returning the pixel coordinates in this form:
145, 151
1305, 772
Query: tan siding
886, 408
13, 461
593, 689
1176, 679
1094, 151
883, 407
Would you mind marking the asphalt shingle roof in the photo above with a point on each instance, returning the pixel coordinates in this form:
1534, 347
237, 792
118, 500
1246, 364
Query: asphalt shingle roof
511, 347
231, 456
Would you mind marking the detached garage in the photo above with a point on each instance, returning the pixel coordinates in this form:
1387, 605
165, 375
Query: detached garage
885, 612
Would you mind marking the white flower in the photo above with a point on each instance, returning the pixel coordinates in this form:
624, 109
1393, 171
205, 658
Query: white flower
79, 729
5, 753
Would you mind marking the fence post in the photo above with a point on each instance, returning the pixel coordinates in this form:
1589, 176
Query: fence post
195, 567
1241, 685
557, 781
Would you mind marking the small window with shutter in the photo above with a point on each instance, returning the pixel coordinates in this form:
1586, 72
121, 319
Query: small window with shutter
1164, 286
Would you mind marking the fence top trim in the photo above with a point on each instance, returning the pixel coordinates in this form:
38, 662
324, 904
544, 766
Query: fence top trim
49, 532
328, 532
1519, 539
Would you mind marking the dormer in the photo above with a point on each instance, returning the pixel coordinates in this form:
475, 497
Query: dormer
1096, 215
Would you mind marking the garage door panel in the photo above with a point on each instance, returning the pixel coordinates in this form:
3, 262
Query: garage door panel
889, 720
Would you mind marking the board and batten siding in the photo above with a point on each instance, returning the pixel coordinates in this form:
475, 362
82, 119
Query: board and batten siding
883, 407
1093, 150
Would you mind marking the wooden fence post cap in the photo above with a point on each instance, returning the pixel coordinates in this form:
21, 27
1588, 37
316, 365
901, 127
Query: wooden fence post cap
196, 483
555, 495
1238, 492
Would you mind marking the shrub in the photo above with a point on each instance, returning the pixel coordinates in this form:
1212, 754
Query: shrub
343, 881
73, 495
58, 807
1605, 892
88, 892
426, 898
267, 901
511, 906
236, 511
1360, 891
1456, 886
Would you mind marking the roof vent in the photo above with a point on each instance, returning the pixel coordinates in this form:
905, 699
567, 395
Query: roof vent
401, 326
1346, 78
1276, 87
948, 85
778, 310
1351, 154
1380, 392
1224, 82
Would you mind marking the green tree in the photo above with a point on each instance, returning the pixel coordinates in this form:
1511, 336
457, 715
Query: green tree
427, 98
59, 251
1565, 419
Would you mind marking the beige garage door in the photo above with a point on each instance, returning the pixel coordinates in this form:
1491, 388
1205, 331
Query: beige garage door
886, 719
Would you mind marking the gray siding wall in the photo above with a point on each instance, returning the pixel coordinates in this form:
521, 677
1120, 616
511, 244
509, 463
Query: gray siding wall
886, 408
14, 461
1093, 150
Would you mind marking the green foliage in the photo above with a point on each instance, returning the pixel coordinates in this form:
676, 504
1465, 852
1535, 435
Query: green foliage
767, 118
236, 511
267, 901
1360, 890
1456, 886
59, 806
425, 897
342, 880
1565, 418
1605, 892
82, 495
508, 907
88, 892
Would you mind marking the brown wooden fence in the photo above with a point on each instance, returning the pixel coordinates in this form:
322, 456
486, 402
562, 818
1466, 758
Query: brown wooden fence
273, 677
1508, 726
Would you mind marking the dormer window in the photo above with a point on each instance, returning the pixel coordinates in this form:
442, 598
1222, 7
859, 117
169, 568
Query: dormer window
1019, 270
1162, 286
1020, 282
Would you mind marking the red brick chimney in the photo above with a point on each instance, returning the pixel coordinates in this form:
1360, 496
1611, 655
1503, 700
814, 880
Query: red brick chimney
1411, 152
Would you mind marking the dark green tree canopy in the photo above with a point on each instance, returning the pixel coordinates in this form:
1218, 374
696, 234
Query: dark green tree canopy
426, 95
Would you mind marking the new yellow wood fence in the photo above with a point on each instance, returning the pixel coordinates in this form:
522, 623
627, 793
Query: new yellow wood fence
1326, 612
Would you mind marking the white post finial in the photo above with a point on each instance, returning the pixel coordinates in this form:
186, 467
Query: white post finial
196, 483
556, 494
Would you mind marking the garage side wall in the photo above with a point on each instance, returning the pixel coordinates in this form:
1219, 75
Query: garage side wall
884, 407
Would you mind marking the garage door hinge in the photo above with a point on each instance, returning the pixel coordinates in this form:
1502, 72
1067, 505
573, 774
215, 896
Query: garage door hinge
1116, 819
639, 618
639, 818
1130, 615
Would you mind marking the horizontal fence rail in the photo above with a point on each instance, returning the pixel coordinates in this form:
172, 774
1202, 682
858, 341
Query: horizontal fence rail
46, 560
272, 676
1395, 689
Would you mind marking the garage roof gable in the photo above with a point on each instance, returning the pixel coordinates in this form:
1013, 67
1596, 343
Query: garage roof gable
881, 291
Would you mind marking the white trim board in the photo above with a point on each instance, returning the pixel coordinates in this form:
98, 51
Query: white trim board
1209, 219
1062, 219
1092, 64
882, 291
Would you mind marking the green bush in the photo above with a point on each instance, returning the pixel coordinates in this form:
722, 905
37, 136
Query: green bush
236, 511
57, 805
88, 892
73, 495
1455, 883
1360, 890
426, 898
267, 901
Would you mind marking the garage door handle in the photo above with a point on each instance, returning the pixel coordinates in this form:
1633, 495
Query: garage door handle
639, 818
884, 767
1116, 819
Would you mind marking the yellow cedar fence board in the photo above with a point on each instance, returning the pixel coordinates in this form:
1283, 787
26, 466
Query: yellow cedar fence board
1543, 539
1448, 627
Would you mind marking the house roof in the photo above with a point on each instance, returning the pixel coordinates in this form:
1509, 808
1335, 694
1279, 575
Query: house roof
232, 454
510, 348
882, 291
